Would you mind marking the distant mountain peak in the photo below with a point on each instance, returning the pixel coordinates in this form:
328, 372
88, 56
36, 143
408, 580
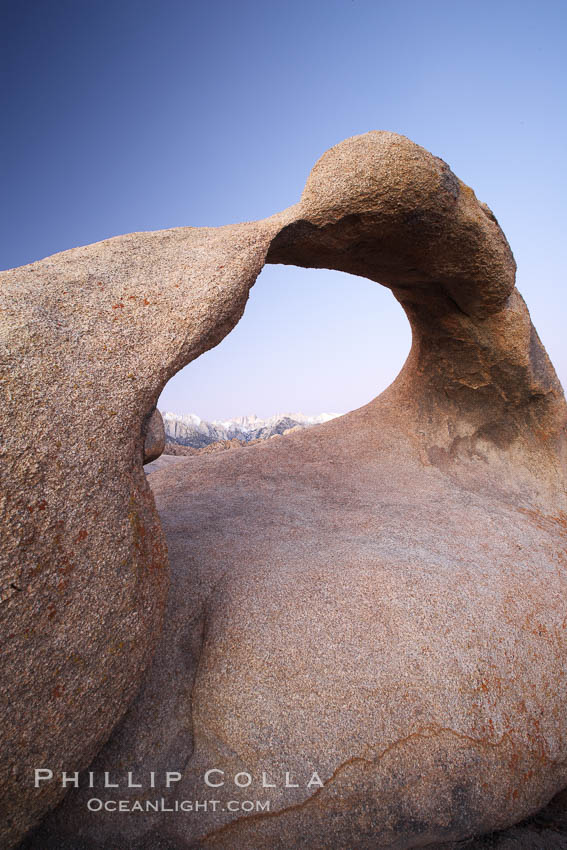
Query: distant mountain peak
190, 430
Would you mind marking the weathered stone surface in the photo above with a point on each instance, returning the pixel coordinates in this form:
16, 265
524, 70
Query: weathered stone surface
547, 830
154, 437
88, 339
382, 599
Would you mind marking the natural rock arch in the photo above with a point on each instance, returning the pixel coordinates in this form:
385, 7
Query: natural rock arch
422, 496
310, 340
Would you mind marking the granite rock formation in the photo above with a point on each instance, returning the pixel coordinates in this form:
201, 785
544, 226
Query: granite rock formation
88, 339
154, 437
379, 602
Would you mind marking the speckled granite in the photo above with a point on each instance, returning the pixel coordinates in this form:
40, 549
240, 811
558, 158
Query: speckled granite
380, 601
154, 437
88, 339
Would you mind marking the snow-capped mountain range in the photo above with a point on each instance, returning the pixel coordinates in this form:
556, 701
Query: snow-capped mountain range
191, 430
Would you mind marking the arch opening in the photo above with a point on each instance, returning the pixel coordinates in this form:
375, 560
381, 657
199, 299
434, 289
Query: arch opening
311, 342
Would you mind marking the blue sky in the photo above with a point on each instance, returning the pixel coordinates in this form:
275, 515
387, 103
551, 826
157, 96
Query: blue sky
137, 115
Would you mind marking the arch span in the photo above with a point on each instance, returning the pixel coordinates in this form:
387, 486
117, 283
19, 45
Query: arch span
468, 441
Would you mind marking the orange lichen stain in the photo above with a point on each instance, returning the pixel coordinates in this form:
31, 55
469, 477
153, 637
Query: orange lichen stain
138, 529
116, 647
146, 302
132, 297
158, 560
547, 522
39, 506
82, 535
66, 566
117, 306
58, 691
534, 627
527, 775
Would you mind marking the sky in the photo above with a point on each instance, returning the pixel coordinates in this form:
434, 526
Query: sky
138, 115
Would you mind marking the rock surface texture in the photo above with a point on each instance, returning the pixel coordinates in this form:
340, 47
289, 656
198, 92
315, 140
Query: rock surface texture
380, 602
154, 437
